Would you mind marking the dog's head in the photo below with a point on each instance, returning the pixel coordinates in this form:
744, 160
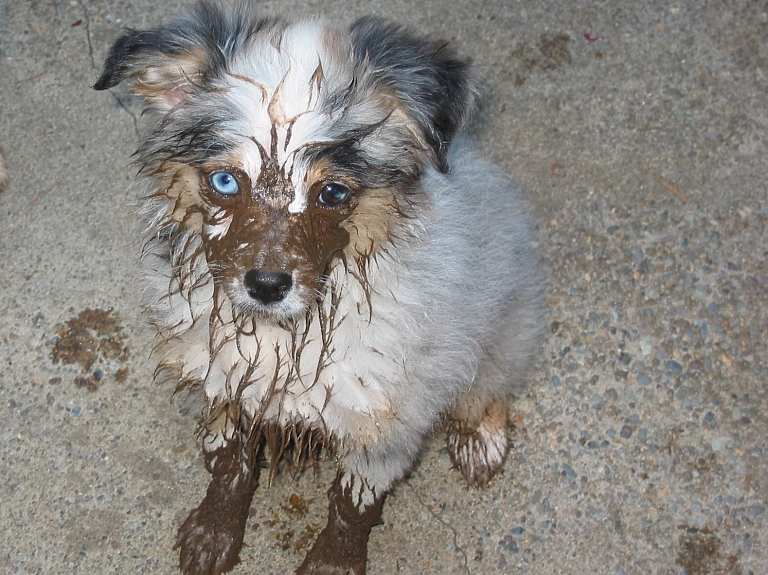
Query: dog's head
284, 145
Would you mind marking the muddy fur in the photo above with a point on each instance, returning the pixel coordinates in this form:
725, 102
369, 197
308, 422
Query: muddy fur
328, 263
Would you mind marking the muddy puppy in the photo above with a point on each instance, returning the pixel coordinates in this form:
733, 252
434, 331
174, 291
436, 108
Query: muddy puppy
327, 261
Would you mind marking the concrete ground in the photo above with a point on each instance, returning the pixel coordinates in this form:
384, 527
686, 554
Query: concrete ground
638, 130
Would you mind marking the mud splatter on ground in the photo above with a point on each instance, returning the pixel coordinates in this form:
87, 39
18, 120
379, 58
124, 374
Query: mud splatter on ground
94, 341
306, 538
549, 53
284, 530
699, 554
297, 506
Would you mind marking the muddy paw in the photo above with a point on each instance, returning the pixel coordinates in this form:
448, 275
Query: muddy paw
207, 548
342, 546
337, 551
479, 451
322, 569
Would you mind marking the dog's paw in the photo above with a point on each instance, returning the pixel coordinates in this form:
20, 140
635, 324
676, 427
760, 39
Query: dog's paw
340, 549
211, 537
323, 569
342, 546
479, 451
338, 557
208, 547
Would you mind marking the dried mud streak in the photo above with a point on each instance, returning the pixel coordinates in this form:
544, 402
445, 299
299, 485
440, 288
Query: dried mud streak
445, 524
87, 22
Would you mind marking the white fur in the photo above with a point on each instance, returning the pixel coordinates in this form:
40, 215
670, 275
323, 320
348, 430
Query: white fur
282, 92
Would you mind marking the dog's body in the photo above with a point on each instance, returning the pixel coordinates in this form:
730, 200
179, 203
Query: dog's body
327, 261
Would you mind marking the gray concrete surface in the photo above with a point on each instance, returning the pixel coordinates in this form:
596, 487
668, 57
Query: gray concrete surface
639, 132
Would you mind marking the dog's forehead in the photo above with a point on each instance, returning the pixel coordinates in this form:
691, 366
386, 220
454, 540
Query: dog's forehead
277, 90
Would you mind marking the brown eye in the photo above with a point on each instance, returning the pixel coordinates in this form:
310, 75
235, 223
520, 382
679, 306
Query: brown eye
334, 195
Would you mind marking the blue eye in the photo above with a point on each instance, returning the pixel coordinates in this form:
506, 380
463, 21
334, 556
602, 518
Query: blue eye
334, 195
224, 183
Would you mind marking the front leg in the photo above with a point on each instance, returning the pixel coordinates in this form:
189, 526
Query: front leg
342, 547
211, 537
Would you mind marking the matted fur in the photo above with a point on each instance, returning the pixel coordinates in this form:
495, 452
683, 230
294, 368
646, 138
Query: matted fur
416, 297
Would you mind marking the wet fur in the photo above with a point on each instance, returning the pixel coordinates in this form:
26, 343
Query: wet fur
415, 300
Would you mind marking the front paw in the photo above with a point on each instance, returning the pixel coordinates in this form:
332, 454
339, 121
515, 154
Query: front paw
335, 554
323, 569
342, 546
211, 537
478, 451
209, 542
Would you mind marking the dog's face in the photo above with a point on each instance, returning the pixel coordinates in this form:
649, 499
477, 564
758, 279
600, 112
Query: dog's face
283, 146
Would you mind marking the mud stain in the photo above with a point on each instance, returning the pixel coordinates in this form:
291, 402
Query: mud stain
297, 506
94, 341
284, 531
699, 554
548, 53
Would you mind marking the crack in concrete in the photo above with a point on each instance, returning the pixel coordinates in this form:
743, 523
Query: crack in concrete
445, 524
87, 26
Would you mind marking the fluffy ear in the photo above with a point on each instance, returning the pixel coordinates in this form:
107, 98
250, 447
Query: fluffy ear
161, 68
165, 65
436, 88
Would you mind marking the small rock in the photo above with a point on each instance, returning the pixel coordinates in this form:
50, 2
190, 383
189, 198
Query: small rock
720, 443
673, 367
509, 544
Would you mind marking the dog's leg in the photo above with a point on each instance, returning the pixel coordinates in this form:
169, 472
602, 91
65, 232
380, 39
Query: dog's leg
210, 538
342, 547
477, 438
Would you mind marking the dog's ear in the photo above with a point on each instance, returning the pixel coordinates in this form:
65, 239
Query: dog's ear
167, 64
436, 88
163, 66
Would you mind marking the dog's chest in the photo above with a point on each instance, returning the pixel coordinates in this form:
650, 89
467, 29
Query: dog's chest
342, 370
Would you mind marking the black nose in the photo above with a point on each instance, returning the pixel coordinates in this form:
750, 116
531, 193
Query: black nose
267, 287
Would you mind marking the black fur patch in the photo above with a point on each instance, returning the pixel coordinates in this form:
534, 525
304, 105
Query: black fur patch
220, 32
434, 85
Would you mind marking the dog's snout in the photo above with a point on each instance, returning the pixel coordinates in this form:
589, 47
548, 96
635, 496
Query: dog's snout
267, 287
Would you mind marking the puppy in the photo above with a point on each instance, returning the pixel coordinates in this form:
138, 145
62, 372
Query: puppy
327, 261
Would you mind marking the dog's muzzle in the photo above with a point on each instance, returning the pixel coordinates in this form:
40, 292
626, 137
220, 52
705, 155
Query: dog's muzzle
267, 287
